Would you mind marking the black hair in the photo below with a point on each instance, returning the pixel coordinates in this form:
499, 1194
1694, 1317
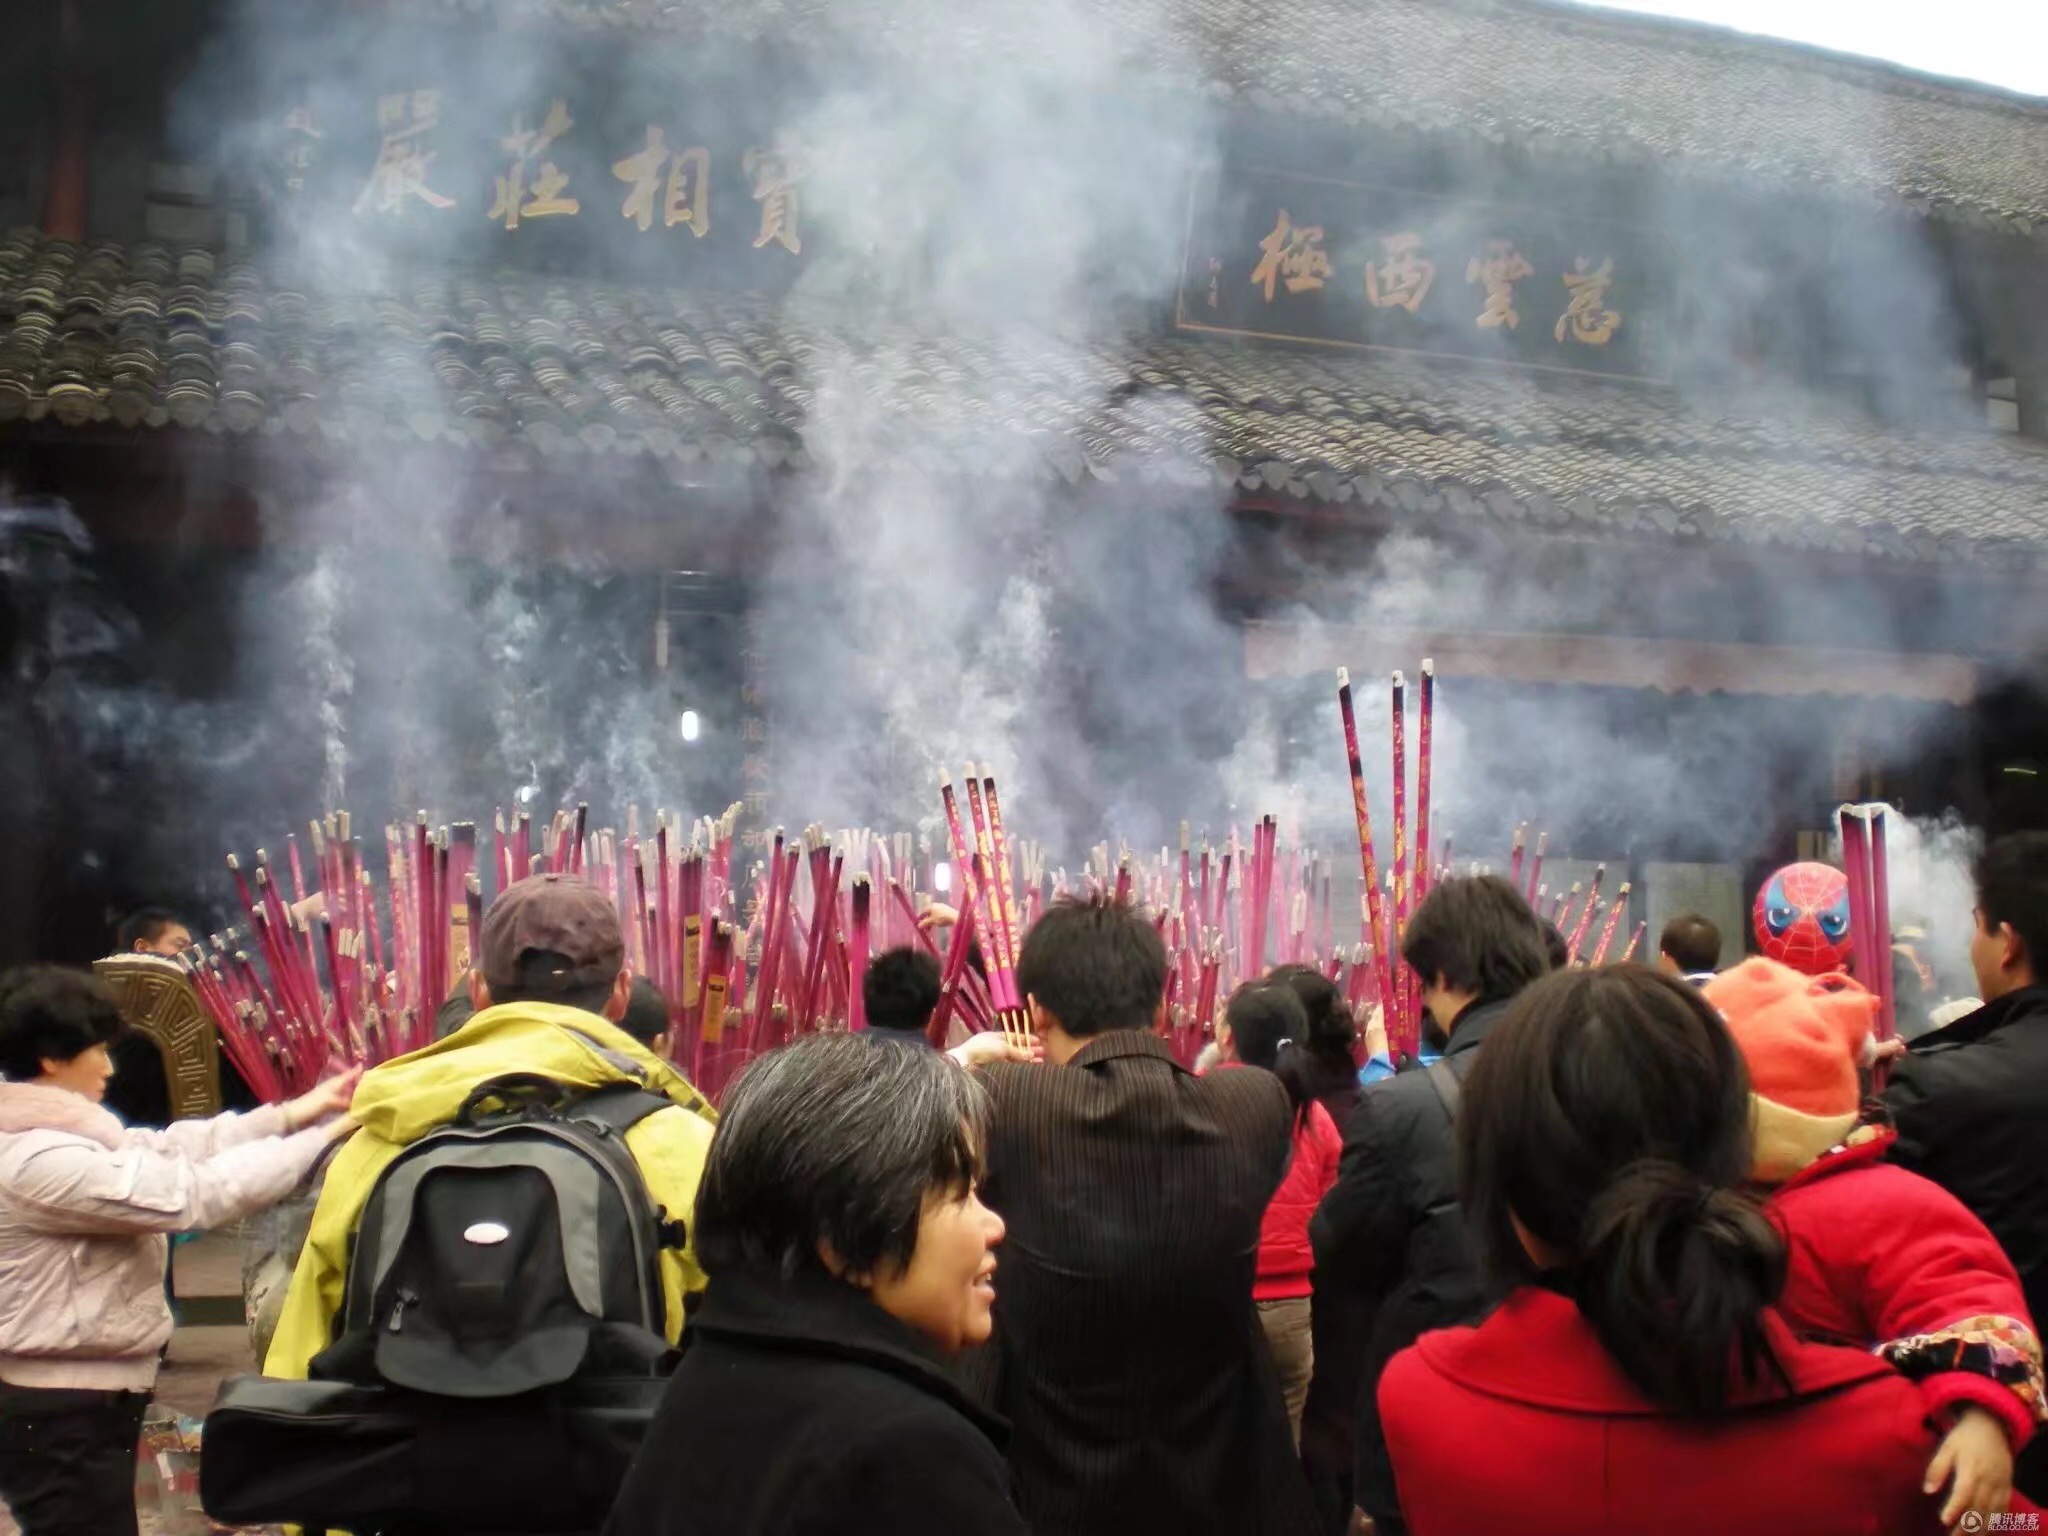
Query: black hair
1693, 942
49, 1013
1555, 947
145, 925
836, 1140
646, 1017
456, 1010
900, 990
543, 977
1610, 1115
1332, 1031
1477, 933
1267, 1028
1095, 964
2012, 888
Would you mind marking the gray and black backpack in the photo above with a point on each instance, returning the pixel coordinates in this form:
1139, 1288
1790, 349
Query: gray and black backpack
511, 1251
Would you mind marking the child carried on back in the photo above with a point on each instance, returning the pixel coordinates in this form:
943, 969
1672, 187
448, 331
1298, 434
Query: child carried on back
1879, 1257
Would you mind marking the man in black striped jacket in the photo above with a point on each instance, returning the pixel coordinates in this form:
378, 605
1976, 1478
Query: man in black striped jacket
1128, 1356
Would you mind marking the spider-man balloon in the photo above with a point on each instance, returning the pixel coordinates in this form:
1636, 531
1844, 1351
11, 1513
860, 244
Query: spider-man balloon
1802, 918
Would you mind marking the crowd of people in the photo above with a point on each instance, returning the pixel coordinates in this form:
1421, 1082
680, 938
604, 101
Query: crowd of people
1668, 1248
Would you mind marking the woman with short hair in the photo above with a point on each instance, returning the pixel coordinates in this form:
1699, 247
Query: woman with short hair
848, 1257
1636, 1376
86, 1209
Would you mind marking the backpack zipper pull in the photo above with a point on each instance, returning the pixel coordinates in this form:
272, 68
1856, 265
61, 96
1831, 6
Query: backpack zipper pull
405, 1299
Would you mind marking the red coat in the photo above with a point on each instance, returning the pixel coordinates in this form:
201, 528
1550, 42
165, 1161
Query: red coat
1285, 1257
1882, 1258
1525, 1425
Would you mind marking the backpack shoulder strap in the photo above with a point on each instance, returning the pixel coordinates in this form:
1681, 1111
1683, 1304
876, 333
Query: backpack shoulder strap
616, 1110
619, 1107
1445, 1082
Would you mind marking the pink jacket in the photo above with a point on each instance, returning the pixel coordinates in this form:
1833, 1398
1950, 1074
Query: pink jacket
86, 1209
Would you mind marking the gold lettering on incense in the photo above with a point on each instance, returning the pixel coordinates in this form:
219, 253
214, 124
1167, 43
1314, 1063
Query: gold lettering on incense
1293, 256
543, 199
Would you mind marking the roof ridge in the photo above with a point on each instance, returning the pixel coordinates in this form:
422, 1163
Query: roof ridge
1690, 35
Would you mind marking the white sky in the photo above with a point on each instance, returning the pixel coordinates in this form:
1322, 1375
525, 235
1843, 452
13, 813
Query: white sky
2000, 42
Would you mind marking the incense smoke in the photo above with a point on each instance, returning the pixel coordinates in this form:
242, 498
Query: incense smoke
994, 208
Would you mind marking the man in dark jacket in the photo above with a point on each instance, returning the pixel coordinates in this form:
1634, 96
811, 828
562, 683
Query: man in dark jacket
1971, 1101
1390, 1229
1128, 1357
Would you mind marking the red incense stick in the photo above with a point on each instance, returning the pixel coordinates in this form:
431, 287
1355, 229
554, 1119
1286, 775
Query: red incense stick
1372, 917
1607, 930
1423, 748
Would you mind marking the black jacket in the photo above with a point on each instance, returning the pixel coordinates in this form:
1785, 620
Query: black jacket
1391, 1231
1971, 1105
1129, 1356
803, 1409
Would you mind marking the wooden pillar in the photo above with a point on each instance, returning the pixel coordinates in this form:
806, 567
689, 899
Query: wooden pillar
67, 196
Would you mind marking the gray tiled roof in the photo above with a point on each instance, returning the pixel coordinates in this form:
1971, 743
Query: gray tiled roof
134, 337
1548, 78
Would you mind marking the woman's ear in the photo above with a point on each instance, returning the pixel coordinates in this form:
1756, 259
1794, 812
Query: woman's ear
836, 1266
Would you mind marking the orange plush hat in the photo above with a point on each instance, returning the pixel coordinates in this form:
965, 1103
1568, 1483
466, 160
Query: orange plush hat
1802, 1037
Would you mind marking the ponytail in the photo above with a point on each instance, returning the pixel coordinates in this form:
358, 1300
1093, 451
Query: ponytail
1267, 1029
1603, 1151
1674, 1274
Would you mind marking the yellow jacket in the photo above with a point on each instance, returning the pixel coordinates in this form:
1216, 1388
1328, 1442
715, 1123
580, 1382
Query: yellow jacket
404, 1099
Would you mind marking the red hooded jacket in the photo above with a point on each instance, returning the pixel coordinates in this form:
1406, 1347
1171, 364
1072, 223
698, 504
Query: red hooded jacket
1880, 1257
1526, 1425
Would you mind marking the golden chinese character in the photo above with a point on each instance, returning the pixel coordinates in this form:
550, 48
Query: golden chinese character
549, 182
1587, 318
300, 120
1294, 256
754, 771
685, 200
754, 732
400, 173
776, 172
1403, 275
1498, 271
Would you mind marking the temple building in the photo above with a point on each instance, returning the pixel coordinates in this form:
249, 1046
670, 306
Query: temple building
1675, 384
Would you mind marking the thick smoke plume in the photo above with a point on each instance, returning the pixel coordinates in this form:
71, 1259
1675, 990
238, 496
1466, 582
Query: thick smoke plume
995, 201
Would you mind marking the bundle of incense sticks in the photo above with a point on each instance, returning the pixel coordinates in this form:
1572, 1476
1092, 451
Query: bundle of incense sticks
1867, 866
1385, 913
350, 969
1572, 916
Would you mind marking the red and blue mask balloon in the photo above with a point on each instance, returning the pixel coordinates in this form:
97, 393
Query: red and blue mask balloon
1802, 918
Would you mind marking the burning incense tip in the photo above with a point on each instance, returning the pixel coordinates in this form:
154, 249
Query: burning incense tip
1428, 666
1400, 681
1343, 677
